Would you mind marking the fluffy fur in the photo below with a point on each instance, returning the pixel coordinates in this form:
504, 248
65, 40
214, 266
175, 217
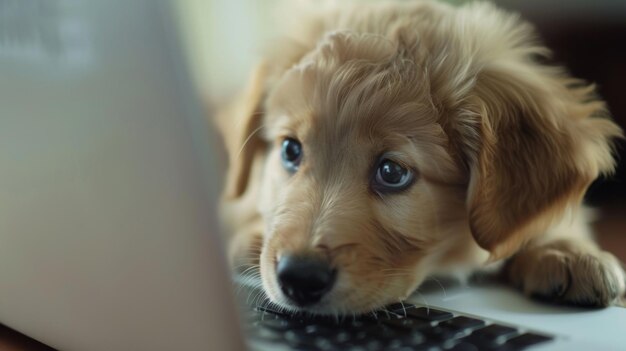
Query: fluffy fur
504, 148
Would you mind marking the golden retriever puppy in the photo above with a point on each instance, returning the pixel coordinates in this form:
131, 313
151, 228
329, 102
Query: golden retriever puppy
380, 143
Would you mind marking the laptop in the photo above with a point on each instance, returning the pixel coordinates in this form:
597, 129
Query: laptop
108, 230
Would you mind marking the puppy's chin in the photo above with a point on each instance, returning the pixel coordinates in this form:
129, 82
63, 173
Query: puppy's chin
338, 302
347, 297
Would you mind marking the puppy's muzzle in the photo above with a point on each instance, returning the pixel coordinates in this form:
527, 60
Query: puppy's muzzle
304, 279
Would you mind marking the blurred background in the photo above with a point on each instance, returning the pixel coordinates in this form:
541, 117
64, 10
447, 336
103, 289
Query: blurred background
588, 37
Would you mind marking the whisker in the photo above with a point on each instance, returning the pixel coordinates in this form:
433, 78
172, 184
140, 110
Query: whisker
247, 140
403, 308
440, 285
423, 299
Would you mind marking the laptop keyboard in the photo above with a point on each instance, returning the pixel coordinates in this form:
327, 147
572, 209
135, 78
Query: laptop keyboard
399, 327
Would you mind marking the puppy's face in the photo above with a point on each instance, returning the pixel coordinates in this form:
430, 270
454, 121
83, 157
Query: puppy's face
361, 197
388, 157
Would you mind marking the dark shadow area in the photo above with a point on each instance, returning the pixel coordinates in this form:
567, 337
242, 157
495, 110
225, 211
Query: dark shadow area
11, 340
587, 37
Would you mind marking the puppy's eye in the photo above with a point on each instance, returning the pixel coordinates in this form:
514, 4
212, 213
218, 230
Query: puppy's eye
291, 154
391, 176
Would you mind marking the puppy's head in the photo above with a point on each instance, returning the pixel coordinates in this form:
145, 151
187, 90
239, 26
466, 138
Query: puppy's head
417, 148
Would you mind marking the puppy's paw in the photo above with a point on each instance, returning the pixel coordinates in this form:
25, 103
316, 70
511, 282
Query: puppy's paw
568, 272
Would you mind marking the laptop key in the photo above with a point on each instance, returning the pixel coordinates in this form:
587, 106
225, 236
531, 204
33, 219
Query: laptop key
321, 329
381, 332
267, 310
298, 339
372, 332
464, 346
407, 324
527, 339
355, 324
399, 308
305, 341
282, 324
360, 335
374, 345
395, 343
482, 343
463, 323
428, 314
276, 324
356, 348
267, 334
495, 332
342, 337
428, 346
442, 333
324, 344
414, 339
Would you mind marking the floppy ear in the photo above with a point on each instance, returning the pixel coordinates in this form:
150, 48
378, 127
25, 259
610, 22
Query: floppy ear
240, 124
542, 142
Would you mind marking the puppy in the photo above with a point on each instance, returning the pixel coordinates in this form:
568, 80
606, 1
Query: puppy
378, 144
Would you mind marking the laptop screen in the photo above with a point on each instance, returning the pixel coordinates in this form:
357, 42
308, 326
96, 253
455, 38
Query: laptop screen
107, 218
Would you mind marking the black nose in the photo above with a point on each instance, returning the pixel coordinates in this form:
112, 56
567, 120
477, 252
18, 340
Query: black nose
304, 279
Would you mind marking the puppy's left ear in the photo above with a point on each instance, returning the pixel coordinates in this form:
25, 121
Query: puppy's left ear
239, 124
541, 141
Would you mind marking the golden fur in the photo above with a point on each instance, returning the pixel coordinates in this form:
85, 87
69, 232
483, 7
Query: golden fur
504, 149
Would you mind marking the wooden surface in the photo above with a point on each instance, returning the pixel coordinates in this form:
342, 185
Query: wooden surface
610, 229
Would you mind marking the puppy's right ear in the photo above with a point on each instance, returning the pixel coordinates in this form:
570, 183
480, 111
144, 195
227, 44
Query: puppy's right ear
239, 124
